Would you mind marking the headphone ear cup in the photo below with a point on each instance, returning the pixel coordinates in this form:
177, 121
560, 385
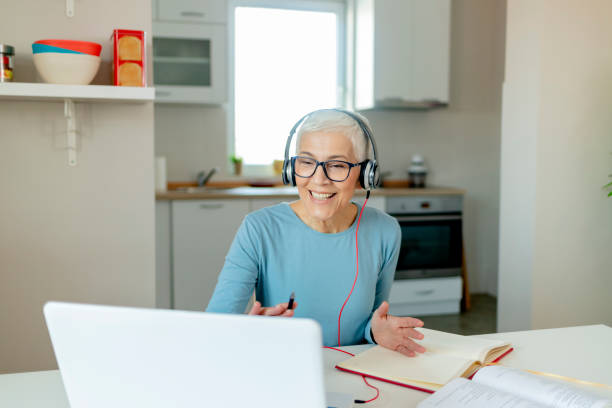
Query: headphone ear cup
369, 176
287, 172
374, 175
363, 174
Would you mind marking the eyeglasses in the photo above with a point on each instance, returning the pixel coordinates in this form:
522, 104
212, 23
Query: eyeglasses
335, 170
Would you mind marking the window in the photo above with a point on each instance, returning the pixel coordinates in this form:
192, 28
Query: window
287, 61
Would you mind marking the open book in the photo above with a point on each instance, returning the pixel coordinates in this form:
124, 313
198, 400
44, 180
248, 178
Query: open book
497, 387
448, 356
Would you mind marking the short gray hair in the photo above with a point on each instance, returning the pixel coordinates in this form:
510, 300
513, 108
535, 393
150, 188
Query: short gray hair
329, 120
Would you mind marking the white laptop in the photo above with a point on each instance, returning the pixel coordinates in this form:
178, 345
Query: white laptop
131, 357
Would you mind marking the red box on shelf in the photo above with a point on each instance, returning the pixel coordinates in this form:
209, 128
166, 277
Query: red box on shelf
129, 58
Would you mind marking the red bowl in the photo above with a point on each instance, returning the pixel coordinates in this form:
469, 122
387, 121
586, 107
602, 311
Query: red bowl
85, 47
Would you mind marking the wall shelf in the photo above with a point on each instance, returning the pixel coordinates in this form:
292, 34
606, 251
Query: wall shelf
69, 94
25, 91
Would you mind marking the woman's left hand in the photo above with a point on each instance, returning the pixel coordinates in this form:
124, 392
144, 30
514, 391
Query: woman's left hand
282, 309
396, 333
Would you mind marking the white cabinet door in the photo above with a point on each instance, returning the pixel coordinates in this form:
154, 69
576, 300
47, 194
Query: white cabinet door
401, 53
190, 63
193, 11
163, 255
202, 232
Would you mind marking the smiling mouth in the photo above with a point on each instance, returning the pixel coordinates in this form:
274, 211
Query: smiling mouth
321, 196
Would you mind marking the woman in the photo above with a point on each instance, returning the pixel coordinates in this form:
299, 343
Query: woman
308, 247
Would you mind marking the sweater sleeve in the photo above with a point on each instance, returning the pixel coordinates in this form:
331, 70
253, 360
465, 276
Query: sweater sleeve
238, 277
385, 277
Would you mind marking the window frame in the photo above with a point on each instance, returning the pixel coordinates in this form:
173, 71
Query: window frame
335, 6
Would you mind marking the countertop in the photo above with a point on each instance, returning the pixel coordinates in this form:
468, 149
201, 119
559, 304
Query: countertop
290, 192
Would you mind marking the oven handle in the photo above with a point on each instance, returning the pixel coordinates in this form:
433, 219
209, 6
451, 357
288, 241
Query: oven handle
427, 217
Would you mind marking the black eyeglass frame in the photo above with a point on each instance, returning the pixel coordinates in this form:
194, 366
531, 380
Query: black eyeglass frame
322, 164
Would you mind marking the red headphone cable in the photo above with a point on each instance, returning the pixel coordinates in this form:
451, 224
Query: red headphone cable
357, 263
363, 377
349, 296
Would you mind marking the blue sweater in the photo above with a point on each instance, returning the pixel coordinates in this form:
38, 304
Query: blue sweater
275, 253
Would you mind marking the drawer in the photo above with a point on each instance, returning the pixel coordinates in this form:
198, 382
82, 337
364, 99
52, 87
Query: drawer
193, 11
424, 205
425, 290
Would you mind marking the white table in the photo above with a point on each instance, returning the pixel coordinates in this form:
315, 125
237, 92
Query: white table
583, 352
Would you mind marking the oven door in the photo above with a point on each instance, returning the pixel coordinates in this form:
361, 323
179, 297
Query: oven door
432, 246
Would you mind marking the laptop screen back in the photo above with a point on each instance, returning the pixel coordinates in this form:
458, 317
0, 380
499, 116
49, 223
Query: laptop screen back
130, 357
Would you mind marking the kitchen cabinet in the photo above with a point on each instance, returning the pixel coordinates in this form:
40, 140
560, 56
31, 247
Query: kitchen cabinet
399, 55
163, 255
192, 11
202, 232
189, 63
190, 51
420, 297
154, 7
192, 239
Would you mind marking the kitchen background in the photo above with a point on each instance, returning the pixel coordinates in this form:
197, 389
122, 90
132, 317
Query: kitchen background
537, 225
194, 138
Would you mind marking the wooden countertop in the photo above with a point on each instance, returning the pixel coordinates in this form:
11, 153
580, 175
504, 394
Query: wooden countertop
291, 192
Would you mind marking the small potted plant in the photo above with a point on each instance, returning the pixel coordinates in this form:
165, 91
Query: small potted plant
237, 162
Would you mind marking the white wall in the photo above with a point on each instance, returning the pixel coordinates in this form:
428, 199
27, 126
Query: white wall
518, 163
193, 138
460, 143
77, 234
556, 222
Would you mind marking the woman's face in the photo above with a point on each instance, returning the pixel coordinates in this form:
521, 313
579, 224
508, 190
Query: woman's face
322, 198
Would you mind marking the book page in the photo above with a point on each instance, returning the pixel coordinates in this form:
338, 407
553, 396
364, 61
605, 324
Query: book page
473, 348
430, 370
465, 393
554, 394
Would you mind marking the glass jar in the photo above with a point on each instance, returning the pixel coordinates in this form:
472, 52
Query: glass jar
7, 53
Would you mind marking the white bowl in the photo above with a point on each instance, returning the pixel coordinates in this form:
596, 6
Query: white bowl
63, 68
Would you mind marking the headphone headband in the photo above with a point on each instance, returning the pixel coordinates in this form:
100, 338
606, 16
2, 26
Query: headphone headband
369, 171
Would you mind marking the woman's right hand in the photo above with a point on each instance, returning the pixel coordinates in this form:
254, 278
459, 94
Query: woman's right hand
279, 310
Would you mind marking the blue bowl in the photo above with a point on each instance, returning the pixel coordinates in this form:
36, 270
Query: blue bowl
42, 48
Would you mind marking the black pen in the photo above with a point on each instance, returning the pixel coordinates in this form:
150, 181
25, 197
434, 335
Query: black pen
291, 299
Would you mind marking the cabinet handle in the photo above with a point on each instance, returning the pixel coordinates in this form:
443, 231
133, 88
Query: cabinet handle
198, 14
401, 218
211, 206
424, 292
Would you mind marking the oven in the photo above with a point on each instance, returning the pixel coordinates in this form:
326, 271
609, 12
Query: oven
432, 244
